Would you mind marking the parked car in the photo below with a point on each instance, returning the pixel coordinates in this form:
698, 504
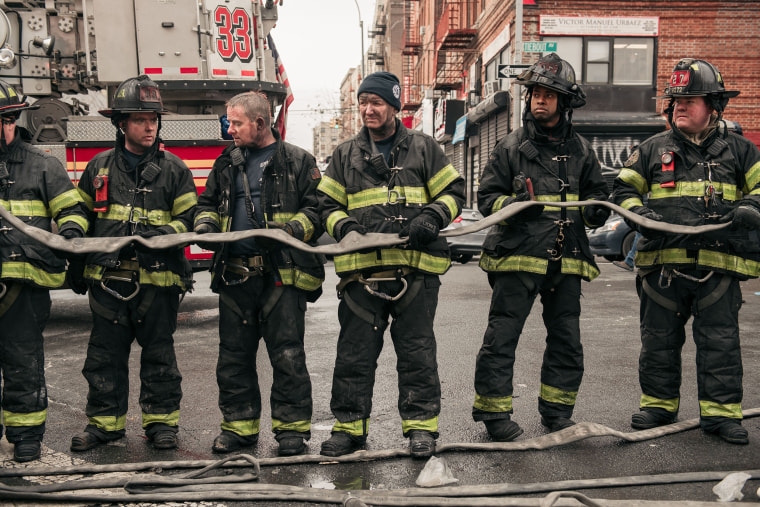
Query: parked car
613, 240
464, 248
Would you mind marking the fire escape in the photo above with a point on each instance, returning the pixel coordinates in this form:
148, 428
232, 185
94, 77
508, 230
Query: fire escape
410, 54
452, 39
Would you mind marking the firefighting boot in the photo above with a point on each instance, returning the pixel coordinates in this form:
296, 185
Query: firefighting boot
557, 423
503, 430
291, 443
728, 429
26, 450
341, 443
421, 444
228, 441
648, 418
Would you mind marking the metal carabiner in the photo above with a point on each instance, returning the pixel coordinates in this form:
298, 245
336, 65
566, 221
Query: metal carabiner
244, 276
398, 197
116, 294
3, 291
370, 285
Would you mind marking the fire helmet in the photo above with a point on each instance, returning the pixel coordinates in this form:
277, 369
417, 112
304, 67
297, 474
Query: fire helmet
136, 95
554, 73
10, 102
698, 78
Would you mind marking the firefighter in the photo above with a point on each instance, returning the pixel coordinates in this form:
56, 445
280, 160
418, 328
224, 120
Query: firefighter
35, 187
543, 251
262, 182
696, 173
388, 179
135, 189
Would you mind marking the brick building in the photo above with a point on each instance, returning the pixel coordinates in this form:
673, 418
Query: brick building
623, 52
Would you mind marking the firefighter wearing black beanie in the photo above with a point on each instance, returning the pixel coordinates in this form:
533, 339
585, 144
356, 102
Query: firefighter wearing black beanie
385, 85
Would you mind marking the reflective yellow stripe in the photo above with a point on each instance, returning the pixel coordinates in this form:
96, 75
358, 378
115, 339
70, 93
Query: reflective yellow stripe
25, 271
243, 428
726, 262
650, 402
333, 219
308, 227
391, 257
333, 189
65, 200
157, 278
108, 423
77, 219
442, 179
634, 179
579, 267
753, 178
557, 198
408, 425
694, 189
122, 213
667, 256
489, 404
299, 426
207, 215
514, 263
179, 227
451, 205
712, 409
631, 202
356, 428
555, 395
26, 208
299, 279
382, 196
17, 419
498, 203
88, 201
184, 203
167, 419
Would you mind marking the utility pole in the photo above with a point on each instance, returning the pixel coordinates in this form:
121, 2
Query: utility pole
361, 30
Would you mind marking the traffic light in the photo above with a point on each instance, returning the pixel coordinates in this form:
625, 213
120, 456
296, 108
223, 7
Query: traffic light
338, 123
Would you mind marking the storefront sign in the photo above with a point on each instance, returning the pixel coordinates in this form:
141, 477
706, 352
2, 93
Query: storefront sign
616, 26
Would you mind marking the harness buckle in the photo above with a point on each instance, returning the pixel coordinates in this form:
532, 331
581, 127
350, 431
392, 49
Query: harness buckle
3, 290
371, 286
395, 197
132, 216
113, 292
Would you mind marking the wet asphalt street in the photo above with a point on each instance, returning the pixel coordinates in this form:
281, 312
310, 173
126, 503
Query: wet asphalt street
608, 396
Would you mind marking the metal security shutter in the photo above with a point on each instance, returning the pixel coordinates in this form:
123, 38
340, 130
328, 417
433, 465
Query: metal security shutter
492, 130
455, 153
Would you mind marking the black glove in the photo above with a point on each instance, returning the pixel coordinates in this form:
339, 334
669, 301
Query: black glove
745, 215
522, 194
421, 230
152, 233
349, 226
596, 216
207, 228
651, 215
71, 233
294, 228
75, 276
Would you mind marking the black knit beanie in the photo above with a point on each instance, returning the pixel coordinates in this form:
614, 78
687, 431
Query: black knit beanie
385, 85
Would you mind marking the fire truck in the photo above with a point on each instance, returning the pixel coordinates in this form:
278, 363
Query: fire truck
68, 57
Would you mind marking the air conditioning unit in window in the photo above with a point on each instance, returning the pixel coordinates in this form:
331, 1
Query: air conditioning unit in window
490, 88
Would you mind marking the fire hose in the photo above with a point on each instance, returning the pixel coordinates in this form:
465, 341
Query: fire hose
352, 241
191, 486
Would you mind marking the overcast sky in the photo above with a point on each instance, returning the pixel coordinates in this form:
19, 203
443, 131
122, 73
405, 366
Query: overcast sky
318, 42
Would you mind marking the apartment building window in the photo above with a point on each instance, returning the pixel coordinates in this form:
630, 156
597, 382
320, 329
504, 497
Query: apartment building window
609, 60
492, 68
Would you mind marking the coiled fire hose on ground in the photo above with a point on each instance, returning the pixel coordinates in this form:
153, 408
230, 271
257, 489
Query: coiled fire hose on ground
350, 243
191, 487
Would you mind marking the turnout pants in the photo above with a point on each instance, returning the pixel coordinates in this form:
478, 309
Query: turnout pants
363, 319
24, 311
562, 367
664, 311
249, 311
151, 318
